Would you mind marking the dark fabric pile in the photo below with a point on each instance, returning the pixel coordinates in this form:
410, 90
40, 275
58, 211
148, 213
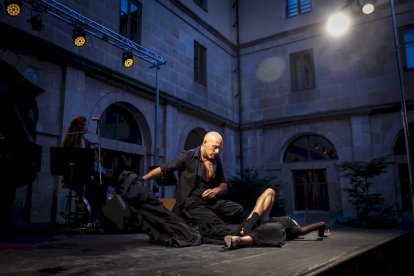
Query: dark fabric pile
149, 215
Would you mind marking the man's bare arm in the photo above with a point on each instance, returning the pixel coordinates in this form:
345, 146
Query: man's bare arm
154, 173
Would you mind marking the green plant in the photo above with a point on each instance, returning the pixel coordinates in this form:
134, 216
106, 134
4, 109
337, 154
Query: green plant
369, 206
245, 189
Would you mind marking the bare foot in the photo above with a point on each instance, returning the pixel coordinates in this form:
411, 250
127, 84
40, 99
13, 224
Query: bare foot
327, 233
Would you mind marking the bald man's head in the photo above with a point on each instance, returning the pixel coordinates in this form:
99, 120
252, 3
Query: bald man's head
212, 144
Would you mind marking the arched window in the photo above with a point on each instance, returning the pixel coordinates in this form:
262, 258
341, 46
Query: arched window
194, 138
399, 146
118, 123
308, 148
400, 152
310, 185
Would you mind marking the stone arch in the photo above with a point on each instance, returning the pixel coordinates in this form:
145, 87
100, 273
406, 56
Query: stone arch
194, 138
401, 171
191, 125
399, 140
124, 100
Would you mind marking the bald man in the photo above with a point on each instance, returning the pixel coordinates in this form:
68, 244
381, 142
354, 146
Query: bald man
201, 181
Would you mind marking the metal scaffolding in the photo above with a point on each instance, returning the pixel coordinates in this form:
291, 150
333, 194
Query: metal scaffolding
76, 19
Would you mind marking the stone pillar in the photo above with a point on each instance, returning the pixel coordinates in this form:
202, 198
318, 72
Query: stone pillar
361, 138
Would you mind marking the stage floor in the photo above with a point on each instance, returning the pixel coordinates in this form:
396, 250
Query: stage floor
132, 254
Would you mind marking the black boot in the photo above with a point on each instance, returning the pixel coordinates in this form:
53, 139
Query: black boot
251, 223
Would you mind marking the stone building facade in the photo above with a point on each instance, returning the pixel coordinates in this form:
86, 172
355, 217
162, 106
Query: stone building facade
350, 105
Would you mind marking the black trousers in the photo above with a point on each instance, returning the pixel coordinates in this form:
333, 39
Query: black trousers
210, 216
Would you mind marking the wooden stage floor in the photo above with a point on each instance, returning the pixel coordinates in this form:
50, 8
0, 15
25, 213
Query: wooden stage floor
349, 251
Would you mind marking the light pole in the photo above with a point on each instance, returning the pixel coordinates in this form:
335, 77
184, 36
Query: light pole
157, 115
403, 103
337, 25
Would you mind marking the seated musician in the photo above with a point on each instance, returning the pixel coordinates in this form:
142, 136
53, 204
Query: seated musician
91, 193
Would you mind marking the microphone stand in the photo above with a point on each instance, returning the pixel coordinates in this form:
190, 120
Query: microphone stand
99, 166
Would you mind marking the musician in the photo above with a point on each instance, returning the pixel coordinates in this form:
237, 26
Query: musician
74, 137
87, 188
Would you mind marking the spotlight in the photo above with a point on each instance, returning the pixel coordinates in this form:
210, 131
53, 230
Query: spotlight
36, 21
127, 59
367, 6
13, 7
338, 24
79, 37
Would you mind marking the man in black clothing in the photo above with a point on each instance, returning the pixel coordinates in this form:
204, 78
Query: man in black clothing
201, 181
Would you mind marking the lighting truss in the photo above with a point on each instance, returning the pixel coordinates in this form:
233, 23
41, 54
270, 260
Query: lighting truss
78, 20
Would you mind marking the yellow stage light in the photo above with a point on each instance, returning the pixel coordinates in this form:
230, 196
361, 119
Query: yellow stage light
127, 59
79, 37
13, 7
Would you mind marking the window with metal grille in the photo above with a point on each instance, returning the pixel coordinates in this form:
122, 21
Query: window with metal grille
296, 7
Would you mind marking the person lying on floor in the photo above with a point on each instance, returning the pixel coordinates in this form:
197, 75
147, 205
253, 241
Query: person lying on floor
260, 229
149, 215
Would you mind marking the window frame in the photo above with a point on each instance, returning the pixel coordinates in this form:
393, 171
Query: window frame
314, 192
117, 112
200, 63
314, 148
127, 33
403, 47
300, 7
305, 73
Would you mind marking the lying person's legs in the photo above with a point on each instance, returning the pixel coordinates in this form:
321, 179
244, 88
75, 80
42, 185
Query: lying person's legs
233, 242
259, 213
320, 226
264, 204
269, 233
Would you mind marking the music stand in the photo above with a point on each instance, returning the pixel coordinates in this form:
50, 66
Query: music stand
74, 164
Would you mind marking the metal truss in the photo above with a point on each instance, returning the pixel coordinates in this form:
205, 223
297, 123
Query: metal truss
78, 20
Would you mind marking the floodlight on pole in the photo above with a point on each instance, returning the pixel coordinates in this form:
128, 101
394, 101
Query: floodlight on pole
338, 24
367, 6
403, 104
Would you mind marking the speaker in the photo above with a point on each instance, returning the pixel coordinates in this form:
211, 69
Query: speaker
116, 212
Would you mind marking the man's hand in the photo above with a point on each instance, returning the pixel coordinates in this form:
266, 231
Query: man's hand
209, 194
